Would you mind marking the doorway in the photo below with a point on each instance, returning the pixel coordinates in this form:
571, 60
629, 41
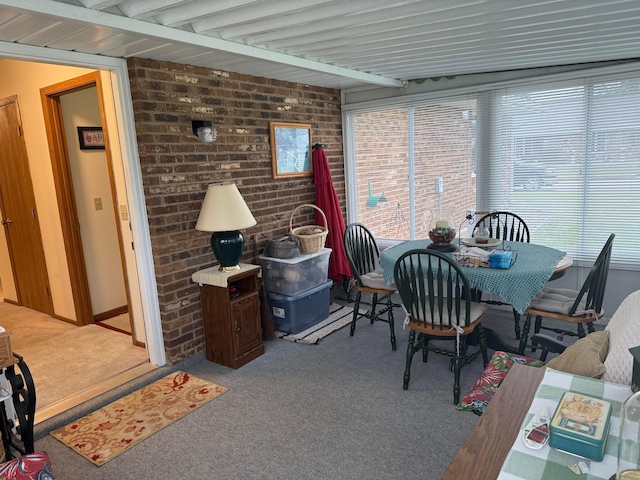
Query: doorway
143, 300
88, 199
26, 69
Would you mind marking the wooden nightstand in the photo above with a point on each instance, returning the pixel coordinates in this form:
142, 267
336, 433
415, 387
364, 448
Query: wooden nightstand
231, 314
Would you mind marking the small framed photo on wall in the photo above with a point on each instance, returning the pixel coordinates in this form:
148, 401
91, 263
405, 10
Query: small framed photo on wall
91, 138
290, 149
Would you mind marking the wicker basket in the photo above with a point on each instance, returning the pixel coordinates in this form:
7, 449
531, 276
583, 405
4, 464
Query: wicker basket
310, 242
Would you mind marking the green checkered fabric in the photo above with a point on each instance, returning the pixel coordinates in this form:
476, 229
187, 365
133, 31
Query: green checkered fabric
524, 463
516, 285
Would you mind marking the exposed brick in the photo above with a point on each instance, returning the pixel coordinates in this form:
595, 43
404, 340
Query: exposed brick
176, 169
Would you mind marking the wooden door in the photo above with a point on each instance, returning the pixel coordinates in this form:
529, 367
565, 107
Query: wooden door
20, 217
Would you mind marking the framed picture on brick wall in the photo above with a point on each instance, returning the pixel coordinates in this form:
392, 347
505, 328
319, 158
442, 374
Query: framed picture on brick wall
290, 149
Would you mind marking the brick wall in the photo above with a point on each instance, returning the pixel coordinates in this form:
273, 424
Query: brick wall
176, 169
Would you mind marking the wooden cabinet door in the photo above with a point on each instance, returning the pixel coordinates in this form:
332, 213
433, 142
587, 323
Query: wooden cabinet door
247, 333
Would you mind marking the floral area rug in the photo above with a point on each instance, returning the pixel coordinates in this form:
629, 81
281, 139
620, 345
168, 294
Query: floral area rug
109, 431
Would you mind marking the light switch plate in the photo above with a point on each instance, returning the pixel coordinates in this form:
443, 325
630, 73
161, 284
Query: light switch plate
97, 202
124, 213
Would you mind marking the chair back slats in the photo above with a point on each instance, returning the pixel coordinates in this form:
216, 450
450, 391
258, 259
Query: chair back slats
505, 225
361, 249
596, 282
432, 288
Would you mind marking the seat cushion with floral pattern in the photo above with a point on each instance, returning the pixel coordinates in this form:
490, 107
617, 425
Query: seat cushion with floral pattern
33, 466
487, 384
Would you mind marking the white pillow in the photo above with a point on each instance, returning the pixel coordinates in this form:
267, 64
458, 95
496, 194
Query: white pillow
624, 333
375, 279
558, 300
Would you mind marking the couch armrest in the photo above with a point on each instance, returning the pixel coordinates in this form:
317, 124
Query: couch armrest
548, 344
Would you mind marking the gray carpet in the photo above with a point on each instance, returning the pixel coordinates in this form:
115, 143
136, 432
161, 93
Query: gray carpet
335, 410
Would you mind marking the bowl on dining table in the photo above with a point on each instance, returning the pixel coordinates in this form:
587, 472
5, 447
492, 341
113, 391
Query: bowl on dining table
442, 236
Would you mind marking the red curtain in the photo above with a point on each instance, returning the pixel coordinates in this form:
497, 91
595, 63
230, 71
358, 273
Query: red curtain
327, 201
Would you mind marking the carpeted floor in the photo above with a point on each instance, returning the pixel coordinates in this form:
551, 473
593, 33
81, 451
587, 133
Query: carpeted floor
335, 410
65, 359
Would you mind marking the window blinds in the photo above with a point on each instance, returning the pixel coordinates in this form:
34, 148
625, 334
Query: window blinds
566, 158
563, 155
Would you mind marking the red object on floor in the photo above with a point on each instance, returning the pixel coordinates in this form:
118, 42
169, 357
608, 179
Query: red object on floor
327, 201
33, 466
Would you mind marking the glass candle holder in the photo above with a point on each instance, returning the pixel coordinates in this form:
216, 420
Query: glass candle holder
482, 233
629, 440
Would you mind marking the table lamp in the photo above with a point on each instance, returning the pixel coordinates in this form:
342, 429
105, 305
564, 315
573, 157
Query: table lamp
223, 213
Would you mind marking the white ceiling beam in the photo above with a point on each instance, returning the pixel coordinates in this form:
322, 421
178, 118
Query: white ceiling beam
318, 18
99, 4
84, 15
458, 32
432, 24
474, 65
553, 54
148, 8
468, 38
184, 15
509, 49
257, 14
372, 20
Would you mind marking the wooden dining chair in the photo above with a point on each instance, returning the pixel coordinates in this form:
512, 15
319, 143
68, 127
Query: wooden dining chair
434, 292
503, 225
579, 307
509, 227
363, 255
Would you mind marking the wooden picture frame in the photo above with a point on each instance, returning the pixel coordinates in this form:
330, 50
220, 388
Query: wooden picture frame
290, 149
91, 138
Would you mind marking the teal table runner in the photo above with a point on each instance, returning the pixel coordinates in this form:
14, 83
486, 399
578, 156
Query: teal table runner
523, 463
516, 285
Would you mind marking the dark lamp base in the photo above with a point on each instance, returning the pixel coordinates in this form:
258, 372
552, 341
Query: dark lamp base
227, 247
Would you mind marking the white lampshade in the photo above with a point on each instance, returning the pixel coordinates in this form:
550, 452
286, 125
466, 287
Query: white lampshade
224, 209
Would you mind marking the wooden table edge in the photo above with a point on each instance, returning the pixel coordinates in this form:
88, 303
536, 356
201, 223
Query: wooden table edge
486, 447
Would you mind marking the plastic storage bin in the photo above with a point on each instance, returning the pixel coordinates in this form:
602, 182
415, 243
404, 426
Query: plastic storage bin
295, 313
292, 276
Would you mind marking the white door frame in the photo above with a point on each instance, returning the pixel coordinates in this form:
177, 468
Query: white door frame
125, 132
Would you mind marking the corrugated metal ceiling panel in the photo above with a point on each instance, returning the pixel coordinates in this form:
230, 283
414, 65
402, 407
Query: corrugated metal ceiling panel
335, 43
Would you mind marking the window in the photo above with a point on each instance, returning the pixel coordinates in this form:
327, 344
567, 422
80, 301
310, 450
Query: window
413, 165
564, 155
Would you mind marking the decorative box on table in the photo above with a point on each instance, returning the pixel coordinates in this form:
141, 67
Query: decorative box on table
501, 259
580, 425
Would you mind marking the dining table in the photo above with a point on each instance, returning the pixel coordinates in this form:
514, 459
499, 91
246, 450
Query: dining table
531, 268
